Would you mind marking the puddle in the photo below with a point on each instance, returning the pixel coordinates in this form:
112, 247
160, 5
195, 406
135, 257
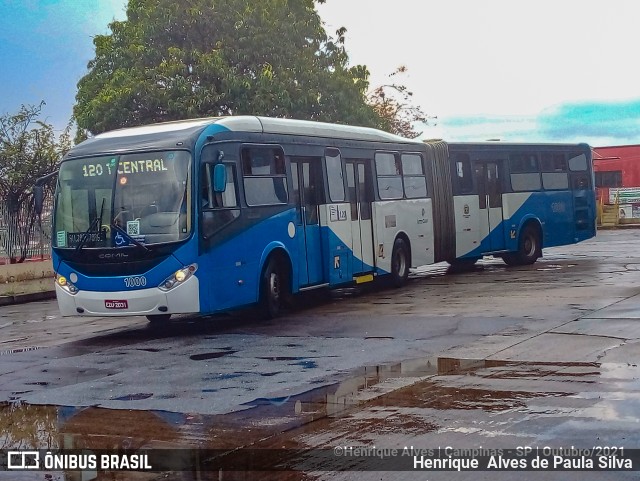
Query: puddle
404, 400
549, 267
222, 377
308, 364
303, 359
133, 397
282, 358
210, 355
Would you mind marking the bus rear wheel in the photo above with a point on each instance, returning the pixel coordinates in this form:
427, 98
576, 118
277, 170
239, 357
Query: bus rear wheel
399, 263
529, 248
273, 289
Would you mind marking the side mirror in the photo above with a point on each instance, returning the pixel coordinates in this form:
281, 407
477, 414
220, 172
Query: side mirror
38, 198
219, 178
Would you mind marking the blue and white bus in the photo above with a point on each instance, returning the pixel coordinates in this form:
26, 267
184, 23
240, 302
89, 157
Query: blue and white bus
510, 200
207, 215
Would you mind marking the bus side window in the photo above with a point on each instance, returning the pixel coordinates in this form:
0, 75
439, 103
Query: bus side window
463, 177
351, 190
312, 184
335, 178
265, 179
525, 175
554, 171
212, 200
415, 182
206, 187
219, 208
578, 163
389, 174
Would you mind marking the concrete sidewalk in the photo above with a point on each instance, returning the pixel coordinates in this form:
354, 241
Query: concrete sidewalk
6, 300
26, 282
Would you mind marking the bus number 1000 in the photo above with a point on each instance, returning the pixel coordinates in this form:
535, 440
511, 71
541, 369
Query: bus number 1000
138, 281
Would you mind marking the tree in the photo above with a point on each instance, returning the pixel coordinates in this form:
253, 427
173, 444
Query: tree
392, 103
28, 150
173, 60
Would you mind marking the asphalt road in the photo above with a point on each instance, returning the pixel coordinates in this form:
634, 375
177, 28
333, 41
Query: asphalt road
541, 356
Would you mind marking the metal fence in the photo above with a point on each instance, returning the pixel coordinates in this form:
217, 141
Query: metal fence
38, 243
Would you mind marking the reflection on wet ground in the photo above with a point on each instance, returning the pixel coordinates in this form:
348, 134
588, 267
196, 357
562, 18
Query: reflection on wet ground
465, 402
164, 381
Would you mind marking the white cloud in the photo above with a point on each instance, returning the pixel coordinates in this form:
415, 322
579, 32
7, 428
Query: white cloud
467, 57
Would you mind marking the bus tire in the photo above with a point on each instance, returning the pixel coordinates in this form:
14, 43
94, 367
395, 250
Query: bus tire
273, 289
529, 248
158, 319
399, 263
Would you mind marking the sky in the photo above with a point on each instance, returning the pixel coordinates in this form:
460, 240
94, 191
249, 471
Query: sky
514, 70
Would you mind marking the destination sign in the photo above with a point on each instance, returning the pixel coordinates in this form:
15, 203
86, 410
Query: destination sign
142, 166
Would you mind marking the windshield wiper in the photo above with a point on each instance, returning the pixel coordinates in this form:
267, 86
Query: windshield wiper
97, 222
131, 239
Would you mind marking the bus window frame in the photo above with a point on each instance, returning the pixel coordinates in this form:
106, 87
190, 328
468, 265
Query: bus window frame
463, 187
398, 164
232, 213
328, 180
422, 175
526, 174
283, 175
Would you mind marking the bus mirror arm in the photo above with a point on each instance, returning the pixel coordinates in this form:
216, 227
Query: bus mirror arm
38, 198
38, 192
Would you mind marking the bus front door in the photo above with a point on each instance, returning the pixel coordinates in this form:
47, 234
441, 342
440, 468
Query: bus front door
307, 182
359, 188
489, 180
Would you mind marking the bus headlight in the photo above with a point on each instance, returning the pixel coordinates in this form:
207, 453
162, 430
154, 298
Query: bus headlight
66, 285
178, 277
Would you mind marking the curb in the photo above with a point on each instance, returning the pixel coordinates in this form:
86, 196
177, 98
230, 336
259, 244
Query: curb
24, 298
631, 225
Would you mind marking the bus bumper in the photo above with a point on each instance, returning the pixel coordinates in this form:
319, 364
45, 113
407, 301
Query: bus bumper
183, 299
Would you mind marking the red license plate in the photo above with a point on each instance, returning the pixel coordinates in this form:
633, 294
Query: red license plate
116, 304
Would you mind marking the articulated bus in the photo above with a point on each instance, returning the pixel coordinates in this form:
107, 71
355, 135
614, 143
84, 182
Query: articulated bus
209, 215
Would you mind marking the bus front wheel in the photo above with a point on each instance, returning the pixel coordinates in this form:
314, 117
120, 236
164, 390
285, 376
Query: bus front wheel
399, 263
273, 289
529, 248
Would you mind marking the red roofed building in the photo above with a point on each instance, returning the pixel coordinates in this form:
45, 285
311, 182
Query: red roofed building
617, 176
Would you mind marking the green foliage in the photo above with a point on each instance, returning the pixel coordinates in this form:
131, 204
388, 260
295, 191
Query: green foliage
28, 149
398, 115
174, 60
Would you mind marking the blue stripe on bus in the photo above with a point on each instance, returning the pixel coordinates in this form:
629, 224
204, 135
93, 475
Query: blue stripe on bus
242, 276
154, 276
559, 228
212, 129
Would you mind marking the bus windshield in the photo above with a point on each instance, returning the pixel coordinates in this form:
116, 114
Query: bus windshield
120, 200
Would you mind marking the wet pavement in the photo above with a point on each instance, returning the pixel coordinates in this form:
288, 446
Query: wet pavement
545, 356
